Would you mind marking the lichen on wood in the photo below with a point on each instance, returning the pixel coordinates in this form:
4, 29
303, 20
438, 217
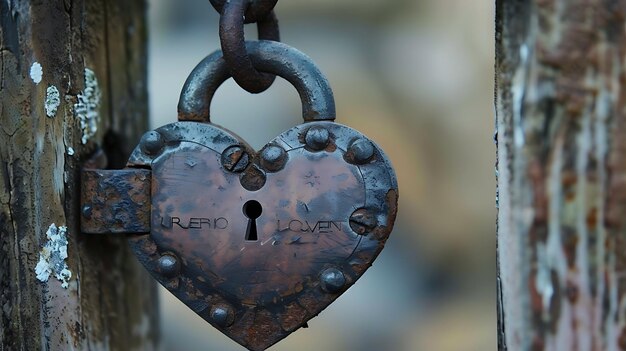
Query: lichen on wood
53, 255
108, 296
87, 107
53, 100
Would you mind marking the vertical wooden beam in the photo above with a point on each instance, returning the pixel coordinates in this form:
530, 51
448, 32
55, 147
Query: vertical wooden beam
73, 78
561, 135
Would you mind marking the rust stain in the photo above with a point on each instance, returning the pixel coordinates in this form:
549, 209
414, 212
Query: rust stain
592, 219
571, 292
115, 201
621, 341
293, 317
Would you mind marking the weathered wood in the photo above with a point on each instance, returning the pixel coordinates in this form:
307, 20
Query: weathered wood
94, 53
561, 135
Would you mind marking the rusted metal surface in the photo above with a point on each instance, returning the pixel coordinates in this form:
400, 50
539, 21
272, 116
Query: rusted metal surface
234, 48
256, 243
115, 201
267, 56
326, 199
560, 132
305, 252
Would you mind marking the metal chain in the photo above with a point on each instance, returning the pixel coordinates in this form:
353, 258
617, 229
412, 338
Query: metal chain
234, 14
234, 48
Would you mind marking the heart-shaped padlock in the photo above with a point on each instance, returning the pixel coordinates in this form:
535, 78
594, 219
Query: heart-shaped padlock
258, 243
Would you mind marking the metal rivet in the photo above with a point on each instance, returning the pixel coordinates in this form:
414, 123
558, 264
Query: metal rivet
360, 151
362, 221
235, 159
253, 178
222, 315
169, 265
332, 280
86, 211
152, 143
273, 158
317, 138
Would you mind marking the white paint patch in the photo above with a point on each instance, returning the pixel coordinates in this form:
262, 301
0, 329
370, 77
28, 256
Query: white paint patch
53, 255
543, 279
518, 92
70, 151
36, 73
555, 255
53, 100
87, 107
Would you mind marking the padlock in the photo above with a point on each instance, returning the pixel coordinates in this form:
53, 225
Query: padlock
258, 243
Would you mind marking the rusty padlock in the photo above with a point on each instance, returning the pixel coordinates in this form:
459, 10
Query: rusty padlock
256, 243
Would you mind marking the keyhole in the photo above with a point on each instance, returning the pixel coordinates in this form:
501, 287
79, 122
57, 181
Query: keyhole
252, 209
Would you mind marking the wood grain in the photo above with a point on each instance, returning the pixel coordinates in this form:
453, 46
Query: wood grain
110, 303
560, 69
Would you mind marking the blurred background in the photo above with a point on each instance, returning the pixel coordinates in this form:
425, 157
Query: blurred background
416, 77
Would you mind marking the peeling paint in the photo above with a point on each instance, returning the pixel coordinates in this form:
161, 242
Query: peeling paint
53, 100
53, 255
36, 72
87, 107
70, 151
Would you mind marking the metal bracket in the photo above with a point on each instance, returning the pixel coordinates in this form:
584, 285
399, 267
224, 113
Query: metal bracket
115, 201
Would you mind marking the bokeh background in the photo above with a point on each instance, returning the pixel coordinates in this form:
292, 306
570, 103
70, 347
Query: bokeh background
417, 77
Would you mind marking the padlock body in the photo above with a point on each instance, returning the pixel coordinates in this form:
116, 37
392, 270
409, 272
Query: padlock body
318, 208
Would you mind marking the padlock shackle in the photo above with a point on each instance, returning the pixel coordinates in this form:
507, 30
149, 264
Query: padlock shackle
318, 103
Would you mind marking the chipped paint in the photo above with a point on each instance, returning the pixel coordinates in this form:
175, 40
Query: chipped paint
36, 72
52, 257
53, 100
87, 107
70, 151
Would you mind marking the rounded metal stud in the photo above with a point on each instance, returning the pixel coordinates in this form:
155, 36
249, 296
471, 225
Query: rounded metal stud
317, 138
360, 151
222, 315
253, 178
152, 143
168, 265
273, 158
235, 159
87, 210
363, 221
332, 280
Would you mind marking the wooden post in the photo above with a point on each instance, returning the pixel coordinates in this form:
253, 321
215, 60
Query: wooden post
73, 78
561, 135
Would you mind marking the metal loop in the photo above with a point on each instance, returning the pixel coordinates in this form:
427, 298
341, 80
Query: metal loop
318, 103
234, 49
256, 11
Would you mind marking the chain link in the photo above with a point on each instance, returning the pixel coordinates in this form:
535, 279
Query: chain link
234, 48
